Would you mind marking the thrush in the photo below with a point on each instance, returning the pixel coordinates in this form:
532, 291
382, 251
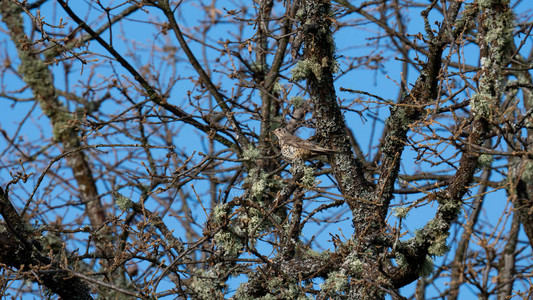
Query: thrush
295, 148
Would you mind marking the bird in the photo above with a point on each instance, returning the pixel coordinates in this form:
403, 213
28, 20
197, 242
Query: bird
294, 148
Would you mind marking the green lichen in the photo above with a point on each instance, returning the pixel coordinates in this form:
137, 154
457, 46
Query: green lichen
260, 182
330, 64
206, 285
400, 211
527, 175
278, 288
308, 180
480, 105
123, 202
274, 283
251, 153
258, 187
447, 206
335, 67
63, 125
500, 30
499, 24
221, 213
241, 294
436, 232
337, 282
356, 265
297, 101
227, 241
439, 247
301, 13
310, 253
291, 291
485, 160
490, 3
304, 69
254, 221
400, 261
277, 88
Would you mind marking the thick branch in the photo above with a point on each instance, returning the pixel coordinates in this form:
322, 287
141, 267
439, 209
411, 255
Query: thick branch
39, 79
319, 65
432, 238
18, 250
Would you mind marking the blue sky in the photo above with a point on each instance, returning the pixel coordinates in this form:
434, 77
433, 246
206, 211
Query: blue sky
350, 42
